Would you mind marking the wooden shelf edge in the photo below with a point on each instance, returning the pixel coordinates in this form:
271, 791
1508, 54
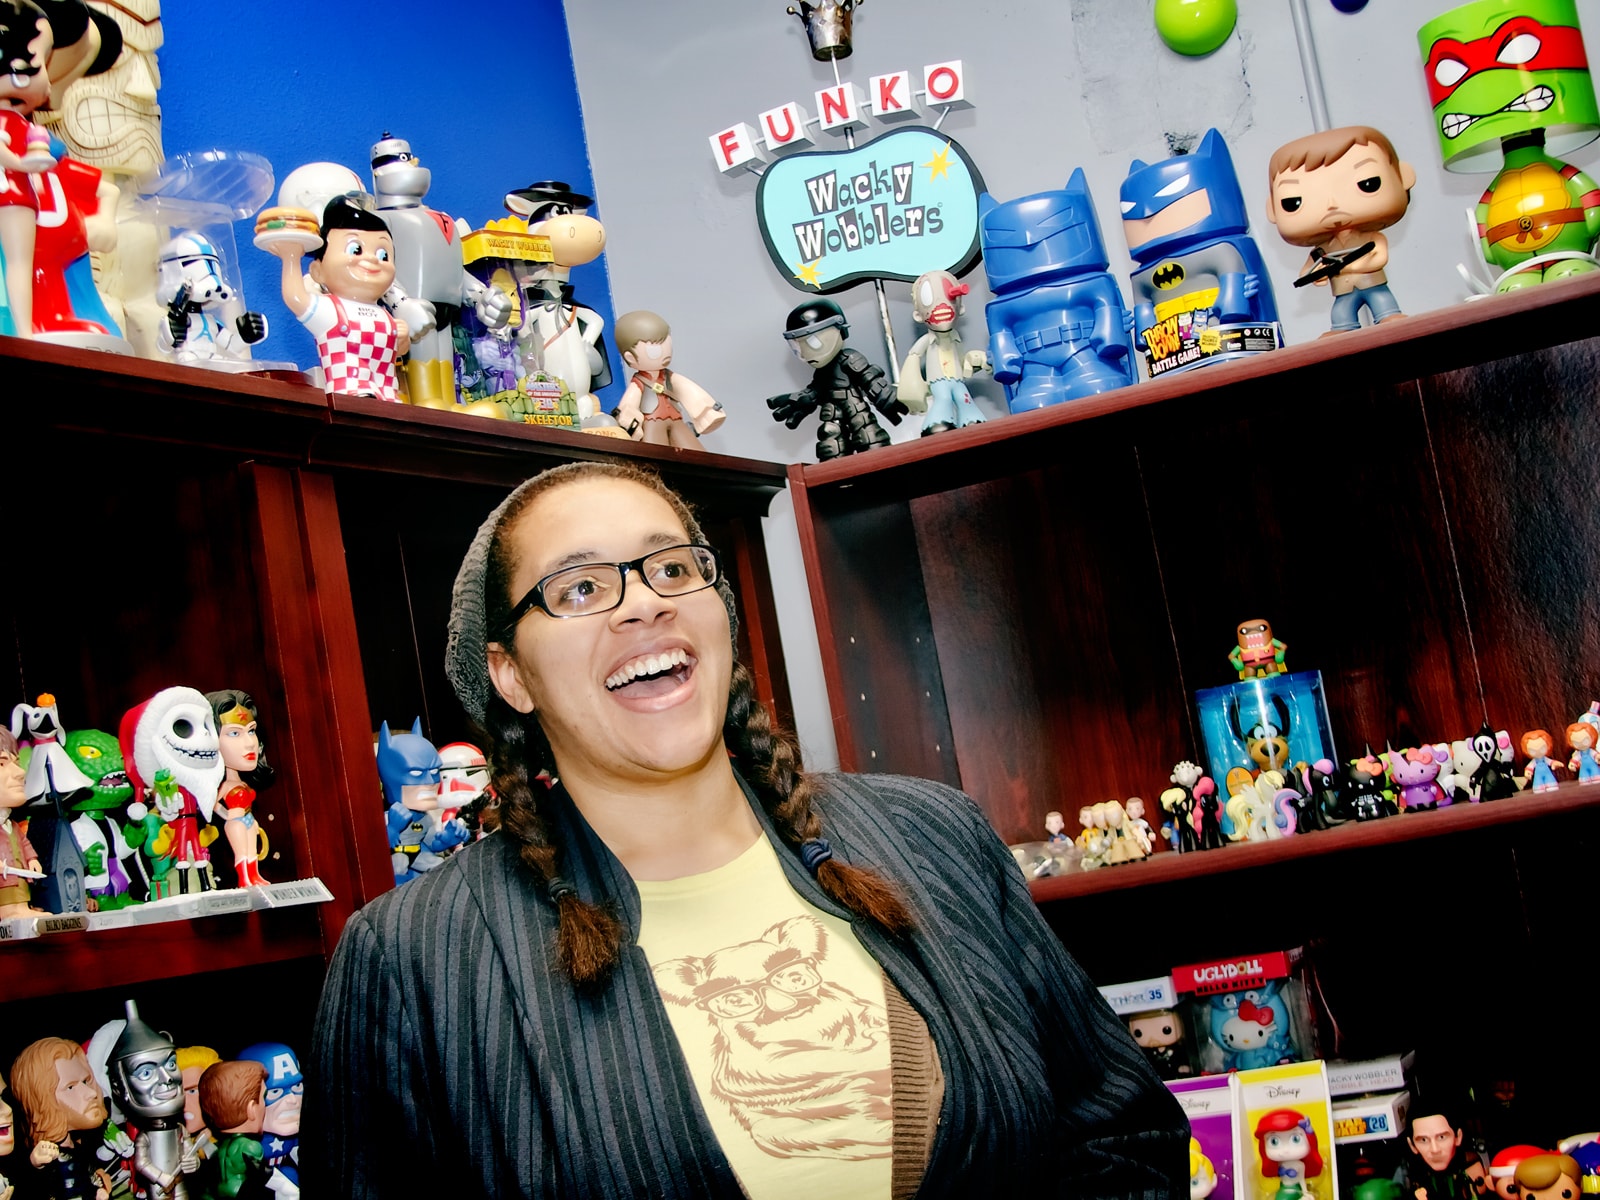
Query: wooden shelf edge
310, 428
1439, 340
74, 962
1169, 867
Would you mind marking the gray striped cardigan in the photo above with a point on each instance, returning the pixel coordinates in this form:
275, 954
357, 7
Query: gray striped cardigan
452, 1061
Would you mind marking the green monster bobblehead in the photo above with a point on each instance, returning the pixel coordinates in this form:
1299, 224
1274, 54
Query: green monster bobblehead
1513, 81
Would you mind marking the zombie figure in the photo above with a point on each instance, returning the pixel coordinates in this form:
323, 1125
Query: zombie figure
843, 384
933, 379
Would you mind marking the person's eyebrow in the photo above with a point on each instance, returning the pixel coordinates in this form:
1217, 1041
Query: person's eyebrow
653, 542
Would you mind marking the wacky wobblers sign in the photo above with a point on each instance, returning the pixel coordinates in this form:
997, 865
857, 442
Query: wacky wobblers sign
892, 208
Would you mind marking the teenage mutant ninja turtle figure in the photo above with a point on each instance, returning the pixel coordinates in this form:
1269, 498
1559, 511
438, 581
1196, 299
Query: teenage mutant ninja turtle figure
1518, 85
843, 384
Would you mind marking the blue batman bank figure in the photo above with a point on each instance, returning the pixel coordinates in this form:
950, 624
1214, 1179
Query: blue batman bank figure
1057, 326
409, 768
1200, 287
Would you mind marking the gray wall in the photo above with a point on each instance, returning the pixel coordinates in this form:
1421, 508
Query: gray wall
1055, 85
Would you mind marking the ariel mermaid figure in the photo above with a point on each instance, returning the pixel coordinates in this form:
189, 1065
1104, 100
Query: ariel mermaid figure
1288, 1150
247, 770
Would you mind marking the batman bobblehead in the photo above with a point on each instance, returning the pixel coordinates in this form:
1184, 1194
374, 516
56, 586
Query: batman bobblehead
843, 384
1200, 288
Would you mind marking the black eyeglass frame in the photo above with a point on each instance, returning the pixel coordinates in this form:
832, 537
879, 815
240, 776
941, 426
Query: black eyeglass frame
534, 598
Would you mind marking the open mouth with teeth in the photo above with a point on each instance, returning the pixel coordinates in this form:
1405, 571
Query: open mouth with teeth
192, 753
652, 674
1536, 99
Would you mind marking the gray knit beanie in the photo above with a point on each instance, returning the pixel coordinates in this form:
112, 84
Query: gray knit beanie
466, 653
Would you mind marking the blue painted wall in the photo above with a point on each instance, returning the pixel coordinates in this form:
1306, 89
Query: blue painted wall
488, 105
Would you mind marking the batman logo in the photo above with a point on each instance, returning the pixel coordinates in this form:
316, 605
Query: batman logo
1168, 275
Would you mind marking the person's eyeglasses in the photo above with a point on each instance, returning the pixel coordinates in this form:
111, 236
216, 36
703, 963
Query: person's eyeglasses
598, 587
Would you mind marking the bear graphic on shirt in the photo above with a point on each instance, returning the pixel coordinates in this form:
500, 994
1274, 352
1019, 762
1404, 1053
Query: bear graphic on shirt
788, 1049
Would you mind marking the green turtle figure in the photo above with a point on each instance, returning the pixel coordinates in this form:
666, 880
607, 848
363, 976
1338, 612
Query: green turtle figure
1516, 84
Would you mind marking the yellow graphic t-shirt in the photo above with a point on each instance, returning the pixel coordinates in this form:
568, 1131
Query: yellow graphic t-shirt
780, 1014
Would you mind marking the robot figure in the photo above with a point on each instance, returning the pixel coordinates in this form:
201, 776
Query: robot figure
147, 1085
1200, 288
1057, 326
205, 317
843, 384
428, 268
410, 768
932, 379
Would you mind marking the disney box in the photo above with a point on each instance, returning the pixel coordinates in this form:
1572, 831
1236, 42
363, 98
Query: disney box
1208, 1103
1283, 1134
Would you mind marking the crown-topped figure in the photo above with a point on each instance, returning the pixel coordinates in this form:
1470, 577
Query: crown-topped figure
828, 26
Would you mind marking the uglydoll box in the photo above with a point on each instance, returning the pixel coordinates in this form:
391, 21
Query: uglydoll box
1208, 1103
1283, 1134
1248, 1012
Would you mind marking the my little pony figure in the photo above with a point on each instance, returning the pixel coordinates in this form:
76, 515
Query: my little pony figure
1288, 1149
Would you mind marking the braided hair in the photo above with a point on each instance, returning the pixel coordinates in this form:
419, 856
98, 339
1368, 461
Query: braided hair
591, 936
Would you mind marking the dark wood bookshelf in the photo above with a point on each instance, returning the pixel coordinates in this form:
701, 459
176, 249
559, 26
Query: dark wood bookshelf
1025, 609
176, 525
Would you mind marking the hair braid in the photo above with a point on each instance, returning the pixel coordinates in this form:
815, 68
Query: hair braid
770, 760
590, 939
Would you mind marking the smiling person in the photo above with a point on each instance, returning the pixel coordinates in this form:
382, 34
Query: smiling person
682, 967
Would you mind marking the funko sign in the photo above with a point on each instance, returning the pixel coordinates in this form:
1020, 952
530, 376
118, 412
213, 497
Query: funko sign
892, 208
889, 98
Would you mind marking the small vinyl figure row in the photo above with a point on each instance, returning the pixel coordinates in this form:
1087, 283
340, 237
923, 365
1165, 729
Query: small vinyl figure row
1277, 795
1279, 799
120, 819
130, 1113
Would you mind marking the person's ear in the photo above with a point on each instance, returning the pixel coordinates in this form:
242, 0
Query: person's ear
507, 679
1408, 176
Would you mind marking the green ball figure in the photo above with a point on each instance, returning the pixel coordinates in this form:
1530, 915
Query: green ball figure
1514, 81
